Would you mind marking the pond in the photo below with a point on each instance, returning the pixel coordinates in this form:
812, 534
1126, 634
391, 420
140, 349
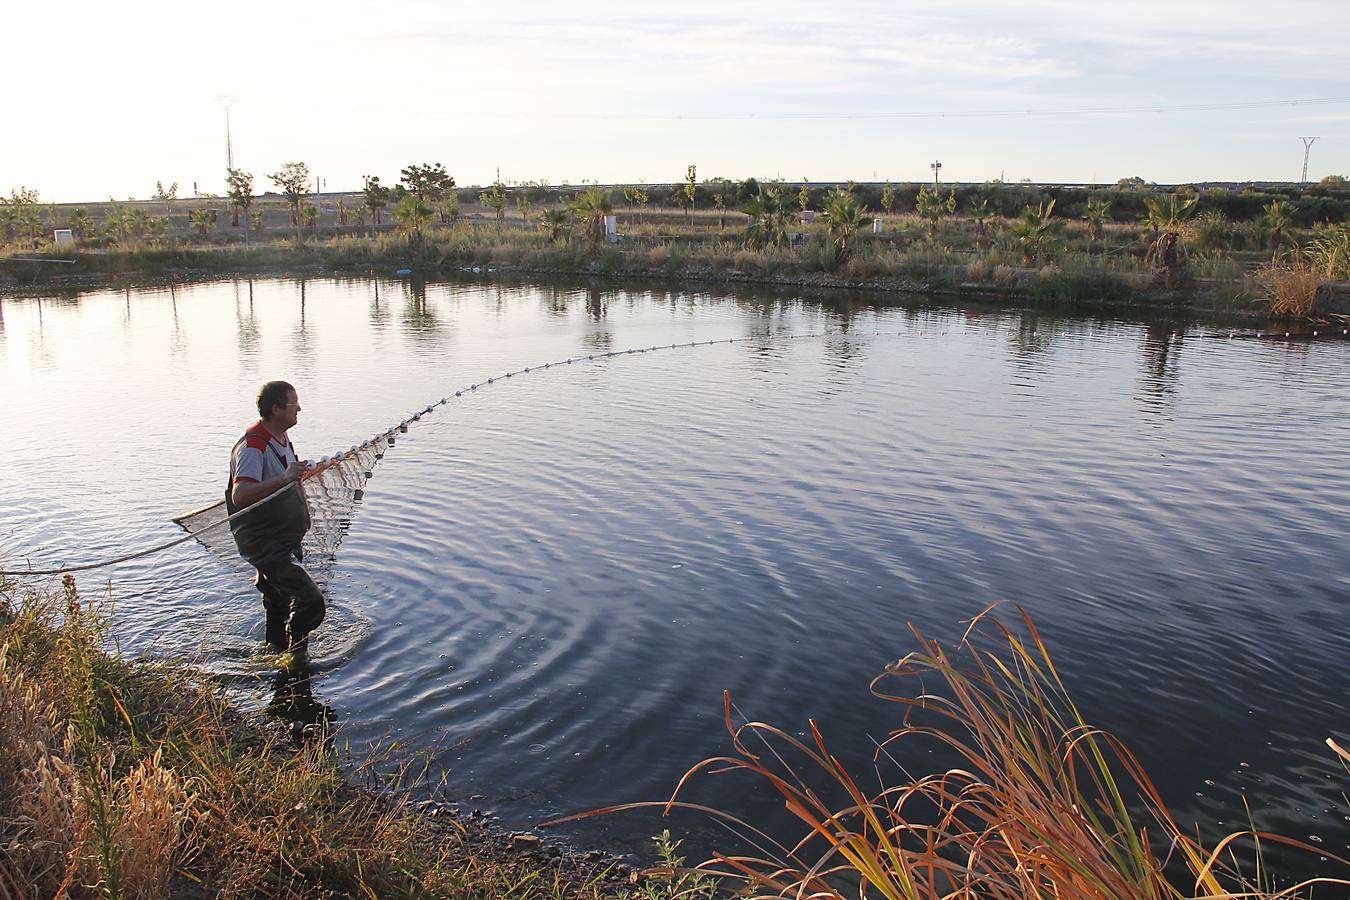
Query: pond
551, 581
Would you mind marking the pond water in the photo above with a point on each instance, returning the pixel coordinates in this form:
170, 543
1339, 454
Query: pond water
550, 582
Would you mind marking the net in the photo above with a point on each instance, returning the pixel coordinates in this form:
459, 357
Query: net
333, 488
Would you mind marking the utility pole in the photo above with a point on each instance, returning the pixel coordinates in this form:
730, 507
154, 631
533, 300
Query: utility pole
1307, 147
937, 170
226, 101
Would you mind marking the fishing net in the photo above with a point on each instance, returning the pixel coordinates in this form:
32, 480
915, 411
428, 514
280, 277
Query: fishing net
332, 489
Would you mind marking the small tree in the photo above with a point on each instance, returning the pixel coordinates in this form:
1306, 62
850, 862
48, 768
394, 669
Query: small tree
679, 199
412, 213
81, 225
138, 221
642, 199
342, 211
448, 208
523, 206
690, 190
309, 215
804, 196
591, 209
768, 219
723, 193
1095, 215
747, 191
887, 197
203, 221
557, 224
240, 184
23, 208
980, 214
166, 195
377, 198
157, 228
845, 217
1277, 218
495, 199
115, 222
429, 181
1036, 230
293, 179
933, 208
1167, 255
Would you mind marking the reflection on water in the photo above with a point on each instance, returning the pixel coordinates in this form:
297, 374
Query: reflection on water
557, 576
1160, 355
293, 702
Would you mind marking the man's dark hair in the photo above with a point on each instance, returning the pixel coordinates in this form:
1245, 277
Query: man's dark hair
274, 393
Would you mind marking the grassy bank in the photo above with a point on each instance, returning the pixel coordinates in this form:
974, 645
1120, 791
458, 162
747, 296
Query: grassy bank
132, 779
1107, 267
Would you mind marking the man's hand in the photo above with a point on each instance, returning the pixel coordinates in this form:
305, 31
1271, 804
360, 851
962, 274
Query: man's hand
294, 472
247, 493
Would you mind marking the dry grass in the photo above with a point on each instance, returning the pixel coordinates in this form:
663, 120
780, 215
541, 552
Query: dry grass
127, 781
1294, 287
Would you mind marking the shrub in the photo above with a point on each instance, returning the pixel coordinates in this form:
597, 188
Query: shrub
1293, 286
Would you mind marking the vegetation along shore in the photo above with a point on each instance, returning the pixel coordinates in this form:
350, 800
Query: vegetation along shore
133, 778
1281, 250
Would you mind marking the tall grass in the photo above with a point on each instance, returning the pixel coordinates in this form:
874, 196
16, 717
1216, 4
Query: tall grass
1037, 804
128, 780
1294, 286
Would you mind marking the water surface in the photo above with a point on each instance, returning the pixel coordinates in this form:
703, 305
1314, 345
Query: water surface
552, 580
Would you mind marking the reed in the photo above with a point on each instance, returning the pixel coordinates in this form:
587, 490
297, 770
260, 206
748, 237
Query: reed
1038, 802
1294, 286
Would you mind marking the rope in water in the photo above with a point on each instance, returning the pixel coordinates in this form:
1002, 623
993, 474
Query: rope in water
402, 427
388, 434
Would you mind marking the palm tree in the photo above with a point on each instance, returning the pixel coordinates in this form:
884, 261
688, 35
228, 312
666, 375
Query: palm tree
844, 218
1278, 218
1035, 230
412, 213
933, 208
981, 213
1167, 254
1097, 209
1170, 216
591, 210
557, 224
768, 219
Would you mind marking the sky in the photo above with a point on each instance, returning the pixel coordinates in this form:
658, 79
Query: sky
106, 99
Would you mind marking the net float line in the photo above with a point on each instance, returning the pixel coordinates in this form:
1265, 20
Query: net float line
334, 484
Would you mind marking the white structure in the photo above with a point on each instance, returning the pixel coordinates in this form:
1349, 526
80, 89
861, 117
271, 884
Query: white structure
612, 229
63, 237
878, 226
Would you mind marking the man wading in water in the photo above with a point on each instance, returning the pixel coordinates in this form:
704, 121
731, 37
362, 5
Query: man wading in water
264, 463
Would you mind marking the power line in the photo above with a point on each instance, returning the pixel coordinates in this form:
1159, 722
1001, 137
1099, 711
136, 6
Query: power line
1157, 109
